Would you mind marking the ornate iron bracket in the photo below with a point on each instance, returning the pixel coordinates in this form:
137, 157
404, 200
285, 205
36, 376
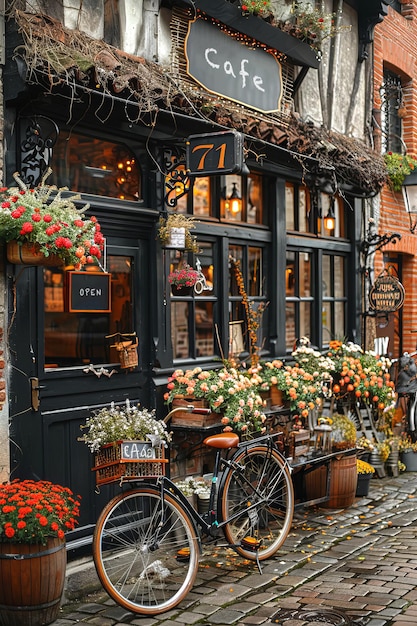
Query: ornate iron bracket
177, 182
40, 137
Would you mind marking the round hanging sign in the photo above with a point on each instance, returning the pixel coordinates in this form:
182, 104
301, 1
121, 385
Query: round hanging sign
387, 294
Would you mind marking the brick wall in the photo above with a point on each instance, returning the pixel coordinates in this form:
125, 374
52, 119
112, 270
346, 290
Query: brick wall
395, 47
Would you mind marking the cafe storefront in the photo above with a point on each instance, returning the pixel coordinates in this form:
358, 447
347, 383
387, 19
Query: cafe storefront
131, 166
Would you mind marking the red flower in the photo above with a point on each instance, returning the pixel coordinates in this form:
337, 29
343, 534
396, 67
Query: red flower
27, 228
9, 532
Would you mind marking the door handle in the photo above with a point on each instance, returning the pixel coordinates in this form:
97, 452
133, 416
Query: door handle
34, 393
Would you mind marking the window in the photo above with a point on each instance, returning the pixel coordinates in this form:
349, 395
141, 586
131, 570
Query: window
299, 297
193, 316
251, 266
74, 339
306, 212
391, 104
334, 297
241, 198
90, 165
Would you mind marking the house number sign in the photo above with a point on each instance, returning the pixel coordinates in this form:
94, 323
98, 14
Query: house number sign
229, 68
214, 153
387, 294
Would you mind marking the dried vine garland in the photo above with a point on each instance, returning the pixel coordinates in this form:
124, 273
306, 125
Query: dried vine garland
55, 55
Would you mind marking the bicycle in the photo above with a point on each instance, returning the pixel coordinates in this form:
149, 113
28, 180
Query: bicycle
148, 539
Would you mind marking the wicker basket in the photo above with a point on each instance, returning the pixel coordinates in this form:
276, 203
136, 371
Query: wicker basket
128, 353
128, 461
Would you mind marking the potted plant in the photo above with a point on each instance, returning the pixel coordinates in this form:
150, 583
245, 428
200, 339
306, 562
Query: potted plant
365, 473
34, 516
41, 227
398, 167
256, 7
128, 442
174, 232
183, 279
343, 432
408, 453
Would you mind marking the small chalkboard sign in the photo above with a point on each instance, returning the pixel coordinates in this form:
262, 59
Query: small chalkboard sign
88, 292
137, 451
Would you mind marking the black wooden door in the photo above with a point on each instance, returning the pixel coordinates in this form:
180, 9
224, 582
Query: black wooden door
50, 400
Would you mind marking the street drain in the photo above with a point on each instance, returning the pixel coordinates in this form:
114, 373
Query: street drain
322, 616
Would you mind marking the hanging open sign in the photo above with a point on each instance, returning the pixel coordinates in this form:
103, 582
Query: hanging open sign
88, 292
215, 153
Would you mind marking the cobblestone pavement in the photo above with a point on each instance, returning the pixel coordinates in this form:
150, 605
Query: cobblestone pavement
352, 567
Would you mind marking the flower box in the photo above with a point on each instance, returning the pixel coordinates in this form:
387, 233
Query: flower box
128, 460
184, 418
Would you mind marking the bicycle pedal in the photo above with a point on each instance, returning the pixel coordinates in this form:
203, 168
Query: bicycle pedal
251, 543
183, 554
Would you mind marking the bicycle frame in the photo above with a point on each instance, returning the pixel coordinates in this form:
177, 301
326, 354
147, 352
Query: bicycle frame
209, 523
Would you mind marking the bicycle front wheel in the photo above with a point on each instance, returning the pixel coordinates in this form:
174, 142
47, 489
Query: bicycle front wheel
145, 551
258, 500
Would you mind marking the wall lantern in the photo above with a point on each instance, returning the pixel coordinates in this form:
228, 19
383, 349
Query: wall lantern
330, 219
410, 196
235, 201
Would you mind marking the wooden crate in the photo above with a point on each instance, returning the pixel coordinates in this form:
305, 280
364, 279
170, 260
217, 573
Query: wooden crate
184, 418
123, 461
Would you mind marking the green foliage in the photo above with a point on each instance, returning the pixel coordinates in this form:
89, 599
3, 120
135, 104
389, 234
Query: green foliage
398, 166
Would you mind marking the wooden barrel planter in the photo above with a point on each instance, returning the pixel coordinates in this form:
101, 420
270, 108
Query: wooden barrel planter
32, 578
343, 482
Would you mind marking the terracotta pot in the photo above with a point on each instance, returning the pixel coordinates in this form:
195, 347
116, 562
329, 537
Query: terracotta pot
29, 254
277, 396
32, 580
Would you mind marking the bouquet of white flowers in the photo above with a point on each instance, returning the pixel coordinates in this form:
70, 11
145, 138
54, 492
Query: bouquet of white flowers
117, 423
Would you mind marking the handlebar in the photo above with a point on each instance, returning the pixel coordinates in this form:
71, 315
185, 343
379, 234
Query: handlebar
189, 408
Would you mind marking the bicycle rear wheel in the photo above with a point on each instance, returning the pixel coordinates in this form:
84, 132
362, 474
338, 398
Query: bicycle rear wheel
257, 492
145, 551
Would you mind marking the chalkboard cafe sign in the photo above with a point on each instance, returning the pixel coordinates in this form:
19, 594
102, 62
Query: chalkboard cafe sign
88, 292
386, 294
229, 68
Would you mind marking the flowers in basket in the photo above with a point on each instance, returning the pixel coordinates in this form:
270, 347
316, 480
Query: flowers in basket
183, 276
343, 432
34, 511
398, 167
257, 7
361, 375
126, 422
227, 391
51, 223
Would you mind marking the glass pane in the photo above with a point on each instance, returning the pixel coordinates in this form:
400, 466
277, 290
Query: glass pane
326, 278
327, 322
204, 329
255, 278
339, 210
290, 328
237, 253
289, 206
204, 263
305, 275
201, 196
180, 314
305, 320
94, 166
303, 210
231, 201
339, 277
80, 338
254, 199
290, 274
339, 322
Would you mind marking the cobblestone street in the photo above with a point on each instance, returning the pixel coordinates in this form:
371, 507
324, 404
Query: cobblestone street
342, 567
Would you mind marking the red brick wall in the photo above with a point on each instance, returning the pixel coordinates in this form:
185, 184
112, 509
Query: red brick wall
395, 47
